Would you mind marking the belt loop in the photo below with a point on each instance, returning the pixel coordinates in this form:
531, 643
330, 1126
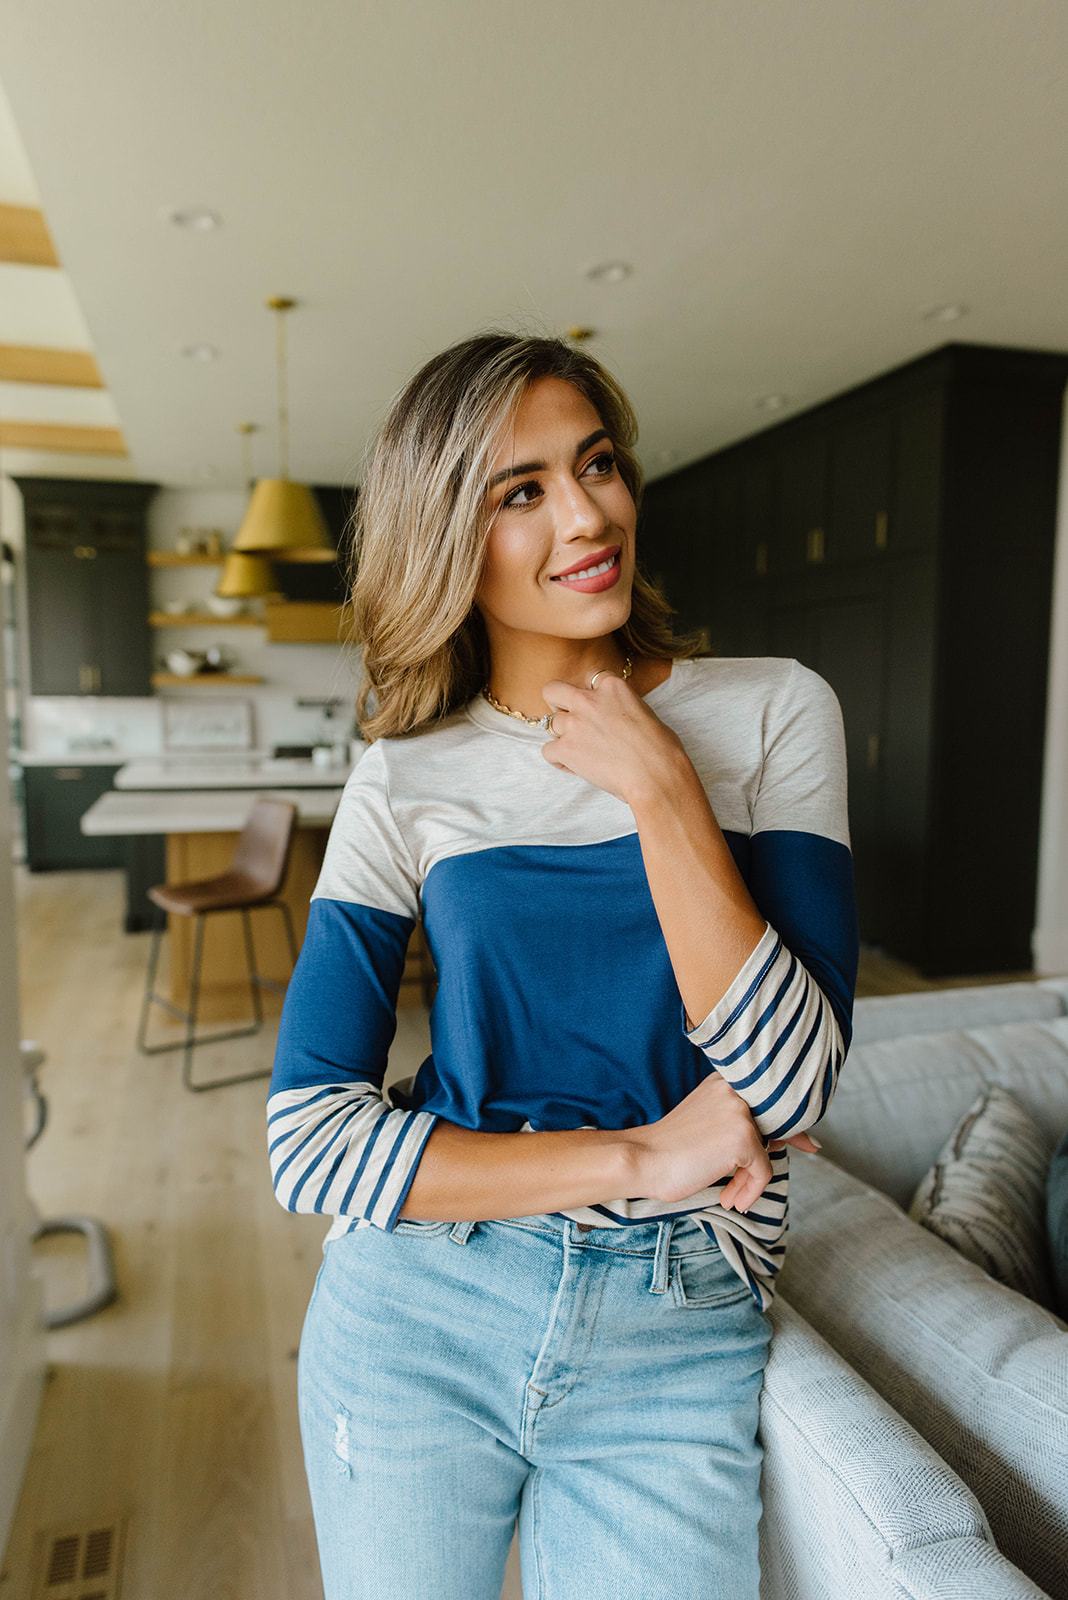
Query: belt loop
662, 1259
460, 1230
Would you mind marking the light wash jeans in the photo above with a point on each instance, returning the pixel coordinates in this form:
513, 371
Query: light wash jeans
600, 1384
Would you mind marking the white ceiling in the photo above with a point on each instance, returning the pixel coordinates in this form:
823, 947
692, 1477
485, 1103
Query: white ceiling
794, 183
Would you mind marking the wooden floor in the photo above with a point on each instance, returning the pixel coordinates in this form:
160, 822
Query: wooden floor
175, 1407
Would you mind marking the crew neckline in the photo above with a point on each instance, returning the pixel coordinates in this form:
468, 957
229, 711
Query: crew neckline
479, 710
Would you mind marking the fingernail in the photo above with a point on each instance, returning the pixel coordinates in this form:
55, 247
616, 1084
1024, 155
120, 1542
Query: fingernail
816, 1142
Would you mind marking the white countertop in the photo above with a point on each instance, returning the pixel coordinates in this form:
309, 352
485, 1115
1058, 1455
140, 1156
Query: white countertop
95, 757
199, 811
236, 772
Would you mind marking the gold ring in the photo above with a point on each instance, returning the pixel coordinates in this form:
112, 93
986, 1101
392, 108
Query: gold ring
601, 672
549, 724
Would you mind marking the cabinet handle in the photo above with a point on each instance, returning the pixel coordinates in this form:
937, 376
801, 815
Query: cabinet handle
814, 545
85, 552
69, 772
881, 523
761, 564
85, 678
873, 751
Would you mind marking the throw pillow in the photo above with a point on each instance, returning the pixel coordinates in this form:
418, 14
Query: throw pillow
986, 1194
1057, 1225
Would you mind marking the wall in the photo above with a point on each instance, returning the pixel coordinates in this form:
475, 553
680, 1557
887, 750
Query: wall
22, 1347
1050, 943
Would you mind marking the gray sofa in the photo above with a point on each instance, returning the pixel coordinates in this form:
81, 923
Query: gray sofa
915, 1411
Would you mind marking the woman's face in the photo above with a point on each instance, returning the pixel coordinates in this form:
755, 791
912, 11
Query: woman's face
561, 502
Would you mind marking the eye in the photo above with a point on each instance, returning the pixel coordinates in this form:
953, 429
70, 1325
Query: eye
607, 457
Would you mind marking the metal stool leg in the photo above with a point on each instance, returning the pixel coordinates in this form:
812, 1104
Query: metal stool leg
150, 978
290, 935
188, 1043
250, 960
254, 985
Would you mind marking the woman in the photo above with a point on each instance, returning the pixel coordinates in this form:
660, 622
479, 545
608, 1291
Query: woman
544, 758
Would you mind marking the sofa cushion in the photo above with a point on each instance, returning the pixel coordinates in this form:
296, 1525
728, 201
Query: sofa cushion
986, 1193
855, 1501
889, 1016
898, 1100
979, 1370
1057, 1224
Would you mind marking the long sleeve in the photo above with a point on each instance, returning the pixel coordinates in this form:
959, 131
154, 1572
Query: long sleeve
334, 1144
782, 1030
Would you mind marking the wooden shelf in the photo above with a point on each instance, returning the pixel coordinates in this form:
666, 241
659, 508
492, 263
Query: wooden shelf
167, 679
202, 619
304, 621
171, 558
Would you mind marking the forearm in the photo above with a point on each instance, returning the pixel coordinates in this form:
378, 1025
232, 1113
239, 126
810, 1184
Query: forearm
762, 1020
467, 1174
710, 922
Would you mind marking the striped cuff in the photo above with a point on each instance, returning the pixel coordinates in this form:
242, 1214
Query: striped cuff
737, 1004
340, 1149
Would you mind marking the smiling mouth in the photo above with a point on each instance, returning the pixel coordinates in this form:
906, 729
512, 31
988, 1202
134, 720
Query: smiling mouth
584, 576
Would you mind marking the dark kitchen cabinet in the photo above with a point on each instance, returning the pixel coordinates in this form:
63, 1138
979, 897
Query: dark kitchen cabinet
56, 798
87, 595
899, 539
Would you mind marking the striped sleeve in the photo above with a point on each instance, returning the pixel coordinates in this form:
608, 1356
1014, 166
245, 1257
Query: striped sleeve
333, 1142
782, 1030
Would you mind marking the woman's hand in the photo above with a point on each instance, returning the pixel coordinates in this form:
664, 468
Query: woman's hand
709, 1134
610, 737
803, 1141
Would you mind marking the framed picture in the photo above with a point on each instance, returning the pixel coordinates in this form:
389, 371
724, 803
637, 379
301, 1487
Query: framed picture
203, 725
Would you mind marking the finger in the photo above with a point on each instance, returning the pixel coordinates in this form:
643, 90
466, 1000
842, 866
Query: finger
558, 692
748, 1183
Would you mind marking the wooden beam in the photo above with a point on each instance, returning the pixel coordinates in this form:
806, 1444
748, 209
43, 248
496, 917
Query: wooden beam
33, 363
62, 436
24, 237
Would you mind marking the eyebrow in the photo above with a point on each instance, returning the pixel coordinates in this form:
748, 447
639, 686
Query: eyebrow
539, 466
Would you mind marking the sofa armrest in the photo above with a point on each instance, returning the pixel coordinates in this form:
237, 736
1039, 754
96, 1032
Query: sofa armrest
855, 1501
980, 1005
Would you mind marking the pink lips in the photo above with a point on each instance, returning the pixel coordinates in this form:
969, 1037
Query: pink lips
594, 584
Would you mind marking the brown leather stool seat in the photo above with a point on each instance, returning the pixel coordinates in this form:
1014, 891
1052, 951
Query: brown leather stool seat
254, 878
226, 892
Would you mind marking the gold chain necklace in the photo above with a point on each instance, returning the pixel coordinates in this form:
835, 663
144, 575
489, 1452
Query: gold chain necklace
542, 722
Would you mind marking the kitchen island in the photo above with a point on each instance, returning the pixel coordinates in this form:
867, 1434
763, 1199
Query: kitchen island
200, 828
196, 807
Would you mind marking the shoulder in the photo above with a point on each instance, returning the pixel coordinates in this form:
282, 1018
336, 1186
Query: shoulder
802, 692
745, 687
390, 760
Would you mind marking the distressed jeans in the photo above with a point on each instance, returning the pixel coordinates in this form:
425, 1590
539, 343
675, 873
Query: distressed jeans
600, 1385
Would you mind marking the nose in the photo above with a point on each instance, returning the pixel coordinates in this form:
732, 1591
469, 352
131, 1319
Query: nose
578, 513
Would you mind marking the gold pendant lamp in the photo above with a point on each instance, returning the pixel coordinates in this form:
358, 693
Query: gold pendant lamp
282, 520
245, 576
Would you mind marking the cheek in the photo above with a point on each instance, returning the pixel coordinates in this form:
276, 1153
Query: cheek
511, 565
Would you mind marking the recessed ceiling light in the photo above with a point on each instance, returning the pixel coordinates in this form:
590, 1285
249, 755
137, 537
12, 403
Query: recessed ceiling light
947, 313
771, 402
200, 352
609, 271
199, 218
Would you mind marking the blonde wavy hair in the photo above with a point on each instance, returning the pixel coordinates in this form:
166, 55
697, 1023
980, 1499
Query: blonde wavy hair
418, 531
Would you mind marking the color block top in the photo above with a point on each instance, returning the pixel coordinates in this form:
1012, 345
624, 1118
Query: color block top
526, 876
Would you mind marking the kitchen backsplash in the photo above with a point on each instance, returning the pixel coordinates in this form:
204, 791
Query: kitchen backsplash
64, 724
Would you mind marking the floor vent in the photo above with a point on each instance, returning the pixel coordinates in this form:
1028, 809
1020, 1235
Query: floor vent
80, 1563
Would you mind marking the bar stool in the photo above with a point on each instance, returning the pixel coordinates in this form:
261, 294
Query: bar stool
254, 878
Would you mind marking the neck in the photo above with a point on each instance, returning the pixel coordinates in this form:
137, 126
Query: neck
519, 685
